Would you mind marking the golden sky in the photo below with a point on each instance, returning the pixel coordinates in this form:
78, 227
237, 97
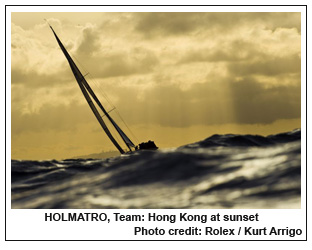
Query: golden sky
175, 78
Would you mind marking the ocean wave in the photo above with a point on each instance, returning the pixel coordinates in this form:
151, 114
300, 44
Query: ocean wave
222, 171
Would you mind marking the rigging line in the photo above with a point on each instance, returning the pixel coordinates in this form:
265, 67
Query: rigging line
81, 66
113, 128
102, 92
87, 91
135, 138
78, 62
116, 110
98, 86
113, 107
91, 77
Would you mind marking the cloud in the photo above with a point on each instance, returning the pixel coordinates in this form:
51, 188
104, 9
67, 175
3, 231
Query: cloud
253, 102
186, 75
36, 63
244, 101
50, 117
90, 41
111, 61
247, 47
33, 62
178, 23
136, 61
237, 50
269, 66
34, 79
168, 23
162, 70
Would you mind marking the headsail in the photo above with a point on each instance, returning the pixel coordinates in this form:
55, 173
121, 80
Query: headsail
125, 138
86, 90
88, 93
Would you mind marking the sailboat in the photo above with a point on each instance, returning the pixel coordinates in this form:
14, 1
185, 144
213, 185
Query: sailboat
91, 97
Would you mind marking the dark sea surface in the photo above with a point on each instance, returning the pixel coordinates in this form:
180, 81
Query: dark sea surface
222, 171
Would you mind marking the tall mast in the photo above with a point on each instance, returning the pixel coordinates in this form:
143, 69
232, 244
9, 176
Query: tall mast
85, 88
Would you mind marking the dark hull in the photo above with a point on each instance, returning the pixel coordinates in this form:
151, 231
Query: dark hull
150, 145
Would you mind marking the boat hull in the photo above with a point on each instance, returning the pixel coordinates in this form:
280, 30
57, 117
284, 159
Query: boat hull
150, 145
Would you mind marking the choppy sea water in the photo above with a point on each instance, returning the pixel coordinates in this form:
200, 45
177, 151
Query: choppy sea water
222, 171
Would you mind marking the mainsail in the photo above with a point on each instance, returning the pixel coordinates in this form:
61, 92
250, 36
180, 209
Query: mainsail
87, 92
